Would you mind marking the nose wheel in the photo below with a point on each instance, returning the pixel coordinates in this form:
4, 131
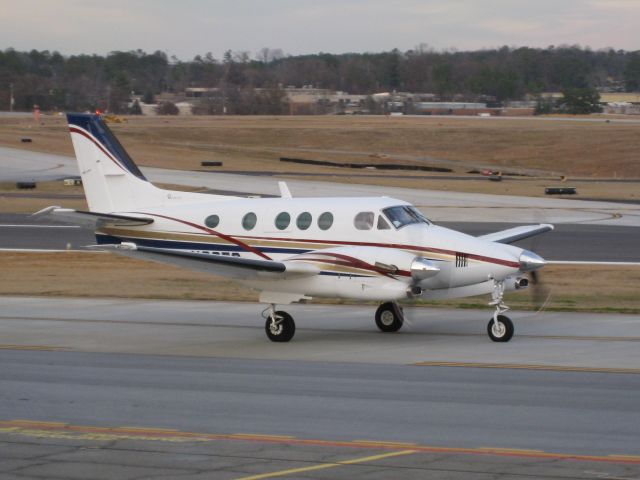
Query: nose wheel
500, 327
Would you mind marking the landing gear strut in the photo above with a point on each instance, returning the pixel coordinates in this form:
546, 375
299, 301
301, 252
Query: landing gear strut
500, 327
279, 326
389, 317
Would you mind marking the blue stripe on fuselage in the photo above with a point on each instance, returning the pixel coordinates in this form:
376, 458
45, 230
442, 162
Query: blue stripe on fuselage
103, 239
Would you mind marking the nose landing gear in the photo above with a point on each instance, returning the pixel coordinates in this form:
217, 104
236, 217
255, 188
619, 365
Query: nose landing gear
500, 327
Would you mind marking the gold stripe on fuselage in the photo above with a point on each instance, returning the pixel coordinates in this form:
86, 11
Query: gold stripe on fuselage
254, 242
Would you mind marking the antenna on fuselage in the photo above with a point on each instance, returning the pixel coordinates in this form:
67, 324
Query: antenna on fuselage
284, 190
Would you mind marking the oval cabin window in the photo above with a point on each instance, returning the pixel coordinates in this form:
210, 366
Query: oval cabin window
282, 220
249, 221
304, 220
212, 221
325, 221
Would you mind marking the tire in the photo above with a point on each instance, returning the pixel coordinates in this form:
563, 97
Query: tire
389, 317
505, 329
284, 331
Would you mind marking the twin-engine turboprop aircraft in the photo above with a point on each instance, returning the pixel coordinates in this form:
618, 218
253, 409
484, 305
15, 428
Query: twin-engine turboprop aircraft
292, 249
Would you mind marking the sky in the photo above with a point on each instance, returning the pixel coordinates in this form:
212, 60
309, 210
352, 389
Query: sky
186, 28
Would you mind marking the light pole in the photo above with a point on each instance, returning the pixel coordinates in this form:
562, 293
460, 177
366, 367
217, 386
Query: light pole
11, 100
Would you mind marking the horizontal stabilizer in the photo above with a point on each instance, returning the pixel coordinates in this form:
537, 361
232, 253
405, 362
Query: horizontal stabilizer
517, 233
91, 219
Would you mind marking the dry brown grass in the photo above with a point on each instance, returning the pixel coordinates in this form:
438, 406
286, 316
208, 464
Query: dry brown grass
543, 148
108, 275
255, 143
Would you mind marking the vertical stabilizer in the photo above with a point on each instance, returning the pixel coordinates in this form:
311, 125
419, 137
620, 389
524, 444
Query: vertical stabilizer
112, 181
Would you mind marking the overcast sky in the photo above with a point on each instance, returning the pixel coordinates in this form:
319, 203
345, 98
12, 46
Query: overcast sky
185, 28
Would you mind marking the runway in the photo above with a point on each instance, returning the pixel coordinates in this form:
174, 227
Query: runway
569, 242
339, 391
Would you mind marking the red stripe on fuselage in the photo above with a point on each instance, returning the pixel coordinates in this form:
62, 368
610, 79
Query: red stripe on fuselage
249, 248
357, 263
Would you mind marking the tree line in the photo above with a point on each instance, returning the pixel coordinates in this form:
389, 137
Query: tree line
255, 84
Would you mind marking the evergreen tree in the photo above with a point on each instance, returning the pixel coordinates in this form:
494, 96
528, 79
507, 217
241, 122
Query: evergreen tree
580, 101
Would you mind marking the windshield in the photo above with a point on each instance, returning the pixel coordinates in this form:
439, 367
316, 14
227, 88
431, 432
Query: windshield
405, 215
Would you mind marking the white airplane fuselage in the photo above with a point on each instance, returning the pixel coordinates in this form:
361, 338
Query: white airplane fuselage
347, 263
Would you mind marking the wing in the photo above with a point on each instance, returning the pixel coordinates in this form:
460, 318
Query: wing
92, 219
233, 267
517, 233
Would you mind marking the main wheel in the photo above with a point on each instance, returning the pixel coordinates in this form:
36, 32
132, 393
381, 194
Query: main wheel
502, 331
282, 330
389, 317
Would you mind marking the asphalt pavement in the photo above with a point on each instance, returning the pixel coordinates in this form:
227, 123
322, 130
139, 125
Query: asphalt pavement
179, 389
111, 388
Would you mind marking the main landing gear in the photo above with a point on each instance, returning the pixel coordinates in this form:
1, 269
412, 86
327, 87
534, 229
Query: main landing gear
500, 327
279, 326
389, 317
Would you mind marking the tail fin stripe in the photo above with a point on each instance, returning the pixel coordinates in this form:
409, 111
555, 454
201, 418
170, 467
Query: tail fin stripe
95, 129
74, 129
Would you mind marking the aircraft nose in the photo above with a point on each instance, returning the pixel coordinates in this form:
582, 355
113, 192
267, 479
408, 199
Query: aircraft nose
529, 261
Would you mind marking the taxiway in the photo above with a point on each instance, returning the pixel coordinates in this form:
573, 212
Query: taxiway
112, 375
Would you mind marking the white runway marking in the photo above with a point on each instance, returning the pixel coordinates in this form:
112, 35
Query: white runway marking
38, 226
45, 250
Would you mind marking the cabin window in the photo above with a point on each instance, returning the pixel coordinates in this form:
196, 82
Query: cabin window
325, 221
364, 220
382, 223
212, 221
249, 221
304, 220
282, 220
403, 215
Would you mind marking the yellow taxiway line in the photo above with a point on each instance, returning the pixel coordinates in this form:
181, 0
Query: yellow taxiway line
47, 348
322, 466
525, 366
91, 433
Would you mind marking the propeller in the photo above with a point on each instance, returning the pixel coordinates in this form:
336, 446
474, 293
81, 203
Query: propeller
540, 293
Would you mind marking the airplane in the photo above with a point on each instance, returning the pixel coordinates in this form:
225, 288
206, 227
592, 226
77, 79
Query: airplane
293, 249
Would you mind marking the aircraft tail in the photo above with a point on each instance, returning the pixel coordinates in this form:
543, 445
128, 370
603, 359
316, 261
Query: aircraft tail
112, 181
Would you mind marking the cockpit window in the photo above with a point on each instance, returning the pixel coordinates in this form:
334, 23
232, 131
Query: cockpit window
405, 215
382, 223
